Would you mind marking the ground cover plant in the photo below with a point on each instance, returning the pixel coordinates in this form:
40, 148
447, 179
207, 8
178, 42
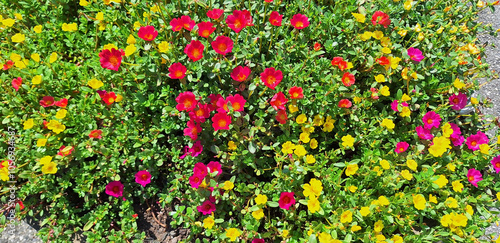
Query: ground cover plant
254, 121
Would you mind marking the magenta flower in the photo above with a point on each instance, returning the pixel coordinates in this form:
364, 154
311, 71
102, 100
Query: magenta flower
200, 168
473, 141
395, 104
196, 179
258, 241
458, 102
474, 176
401, 147
237, 102
424, 133
457, 140
431, 119
214, 166
415, 54
287, 199
196, 149
185, 151
496, 163
192, 130
143, 177
206, 208
115, 189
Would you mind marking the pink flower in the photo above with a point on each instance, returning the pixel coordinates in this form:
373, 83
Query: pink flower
63, 152
115, 189
457, 140
111, 59
496, 163
195, 180
187, 23
275, 18
215, 13
200, 113
474, 176
222, 45
424, 133
205, 29
201, 169
177, 71
237, 102
271, 77
299, 21
259, 240
240, 73
47, 101
287, 199
401, 147
95, 134
214, 166
239, 20
186, 101
196, 149
222, 105
214, 98
473, 141
279, 101
194, 50
16, 83
431, 119
415, 54
206, 208
192, 130
147, 33
458, 102
143, 177
221, 121
395, 105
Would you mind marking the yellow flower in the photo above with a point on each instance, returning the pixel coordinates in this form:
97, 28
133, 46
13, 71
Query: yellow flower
353, 189
164, 46
28, 124
310, 159
8, 22
84, 3
388, 123
95, 84
446, 220
441, 144
484, 148
403, 32
441, 181
377, 169
301, 119
451, 167
457, 186
15, 57
261, 199
99, 16
366, 35
41, 142
385, 41
154, 9
405, 98
412, 164
346, 217
405, 111
420, 37
451, 202
385, 164
137, 25
35, 57
386, 50
459, 220
407, 5
300, 151
328, 127
313, 188
313, 143
53, 57
20, 64
258, 214
474, 101
407, 175
379, 225
380, 238
351, 169
49, 168
364, 211
208, 223
469, 210
318, 120
69, 27
119, 98
359, 17
440, 30
18, 38
228, 186
304, 137
480, 4
61, 113
109, 47
394, 61
380, 78
130, 49
313, 204
347, 141
383, 201
397, 239
37, 79
432, 199
18, 16
45, 160
287, 147
232, 145
377, 34
385, 91
293, 108
285, 233
131, 39
355, 228
232, 233
419, 201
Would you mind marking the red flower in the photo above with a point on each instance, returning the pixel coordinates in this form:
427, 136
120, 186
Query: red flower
275, 18
222, 45
45, 124
21, 205
134, 215
111, 59
109, 98
348, 79
271, 77
177, 71
268, 1
317, 46
345, 103
47, 101
147, 33
95, 134
237, 102
239, 20
62, 103
299, 21
192, 130
340, 63
281, 117
215, 13
296, 93
205, 29
65, 152
187, 22
382, 18
278, 101
383, 61
240, 73
221, 121
186, 101
8, 65
286, 200
194, 50
16, 83
176, 24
